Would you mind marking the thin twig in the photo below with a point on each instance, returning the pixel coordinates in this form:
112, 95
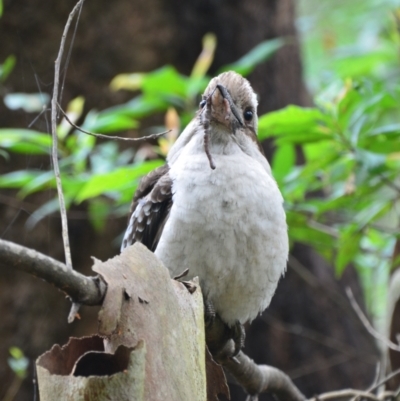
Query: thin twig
73, 313
348, 393
367, 324
119, 138
54, 101
68, 58
384, 380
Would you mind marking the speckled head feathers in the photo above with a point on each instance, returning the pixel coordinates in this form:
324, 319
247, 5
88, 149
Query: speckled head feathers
240, 90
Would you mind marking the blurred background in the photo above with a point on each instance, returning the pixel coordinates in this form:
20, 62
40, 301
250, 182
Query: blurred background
327, 77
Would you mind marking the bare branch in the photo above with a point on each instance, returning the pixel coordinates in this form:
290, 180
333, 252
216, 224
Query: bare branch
119, 138
255, 379
367, 324
81, 289
348, 393
56, 167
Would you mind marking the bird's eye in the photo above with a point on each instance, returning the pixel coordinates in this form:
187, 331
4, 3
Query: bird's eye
248, 115
202, 103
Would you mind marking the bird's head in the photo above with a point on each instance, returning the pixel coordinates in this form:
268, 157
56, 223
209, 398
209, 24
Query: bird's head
227, 114
229, 101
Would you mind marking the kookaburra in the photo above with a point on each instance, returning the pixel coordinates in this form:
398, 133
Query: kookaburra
214, 207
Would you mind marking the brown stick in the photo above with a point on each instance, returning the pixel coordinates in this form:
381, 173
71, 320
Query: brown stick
54, 101
118, 138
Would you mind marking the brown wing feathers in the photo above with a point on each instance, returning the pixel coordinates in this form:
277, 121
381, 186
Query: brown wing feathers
150, 209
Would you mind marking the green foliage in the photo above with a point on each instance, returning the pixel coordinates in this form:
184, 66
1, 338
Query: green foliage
100, 174
8, 65
343, 199
18, 362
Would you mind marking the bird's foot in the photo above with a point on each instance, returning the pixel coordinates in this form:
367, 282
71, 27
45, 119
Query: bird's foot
209, 313
190, 286
238, 337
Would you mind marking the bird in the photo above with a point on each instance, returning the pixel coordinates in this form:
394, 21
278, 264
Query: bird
214, 208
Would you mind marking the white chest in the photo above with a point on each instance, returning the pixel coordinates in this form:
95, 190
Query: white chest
228, 227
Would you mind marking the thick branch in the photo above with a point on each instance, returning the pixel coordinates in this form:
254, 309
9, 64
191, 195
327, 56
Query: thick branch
255, 379
82, 289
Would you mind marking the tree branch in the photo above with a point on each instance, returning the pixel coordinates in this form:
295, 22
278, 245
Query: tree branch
82, 289
255, 379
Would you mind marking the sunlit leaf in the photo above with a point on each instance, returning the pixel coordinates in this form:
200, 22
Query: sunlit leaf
139, 107
18, 362
25, 141
283, 161
8, 65
74, 112
206, 56
292, 124
104, 123
165, 82
116, 180
131, 82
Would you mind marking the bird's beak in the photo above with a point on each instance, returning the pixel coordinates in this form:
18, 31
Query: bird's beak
234, 109
223, 109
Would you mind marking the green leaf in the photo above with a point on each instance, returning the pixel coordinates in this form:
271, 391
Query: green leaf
25, 141
117, 180
348, 247
18, 362
369, 62
139, 107
131, 82
41, 181
255, 56
300, 231
8, 65
283, 161
106, 122
98, 210
165, 82
385, 139
16, 352
293, 124
17, 179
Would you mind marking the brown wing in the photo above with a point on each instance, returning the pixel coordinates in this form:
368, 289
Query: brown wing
150, 209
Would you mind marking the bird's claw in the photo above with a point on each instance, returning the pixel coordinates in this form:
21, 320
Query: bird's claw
190, 286
209, 313
238, 337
